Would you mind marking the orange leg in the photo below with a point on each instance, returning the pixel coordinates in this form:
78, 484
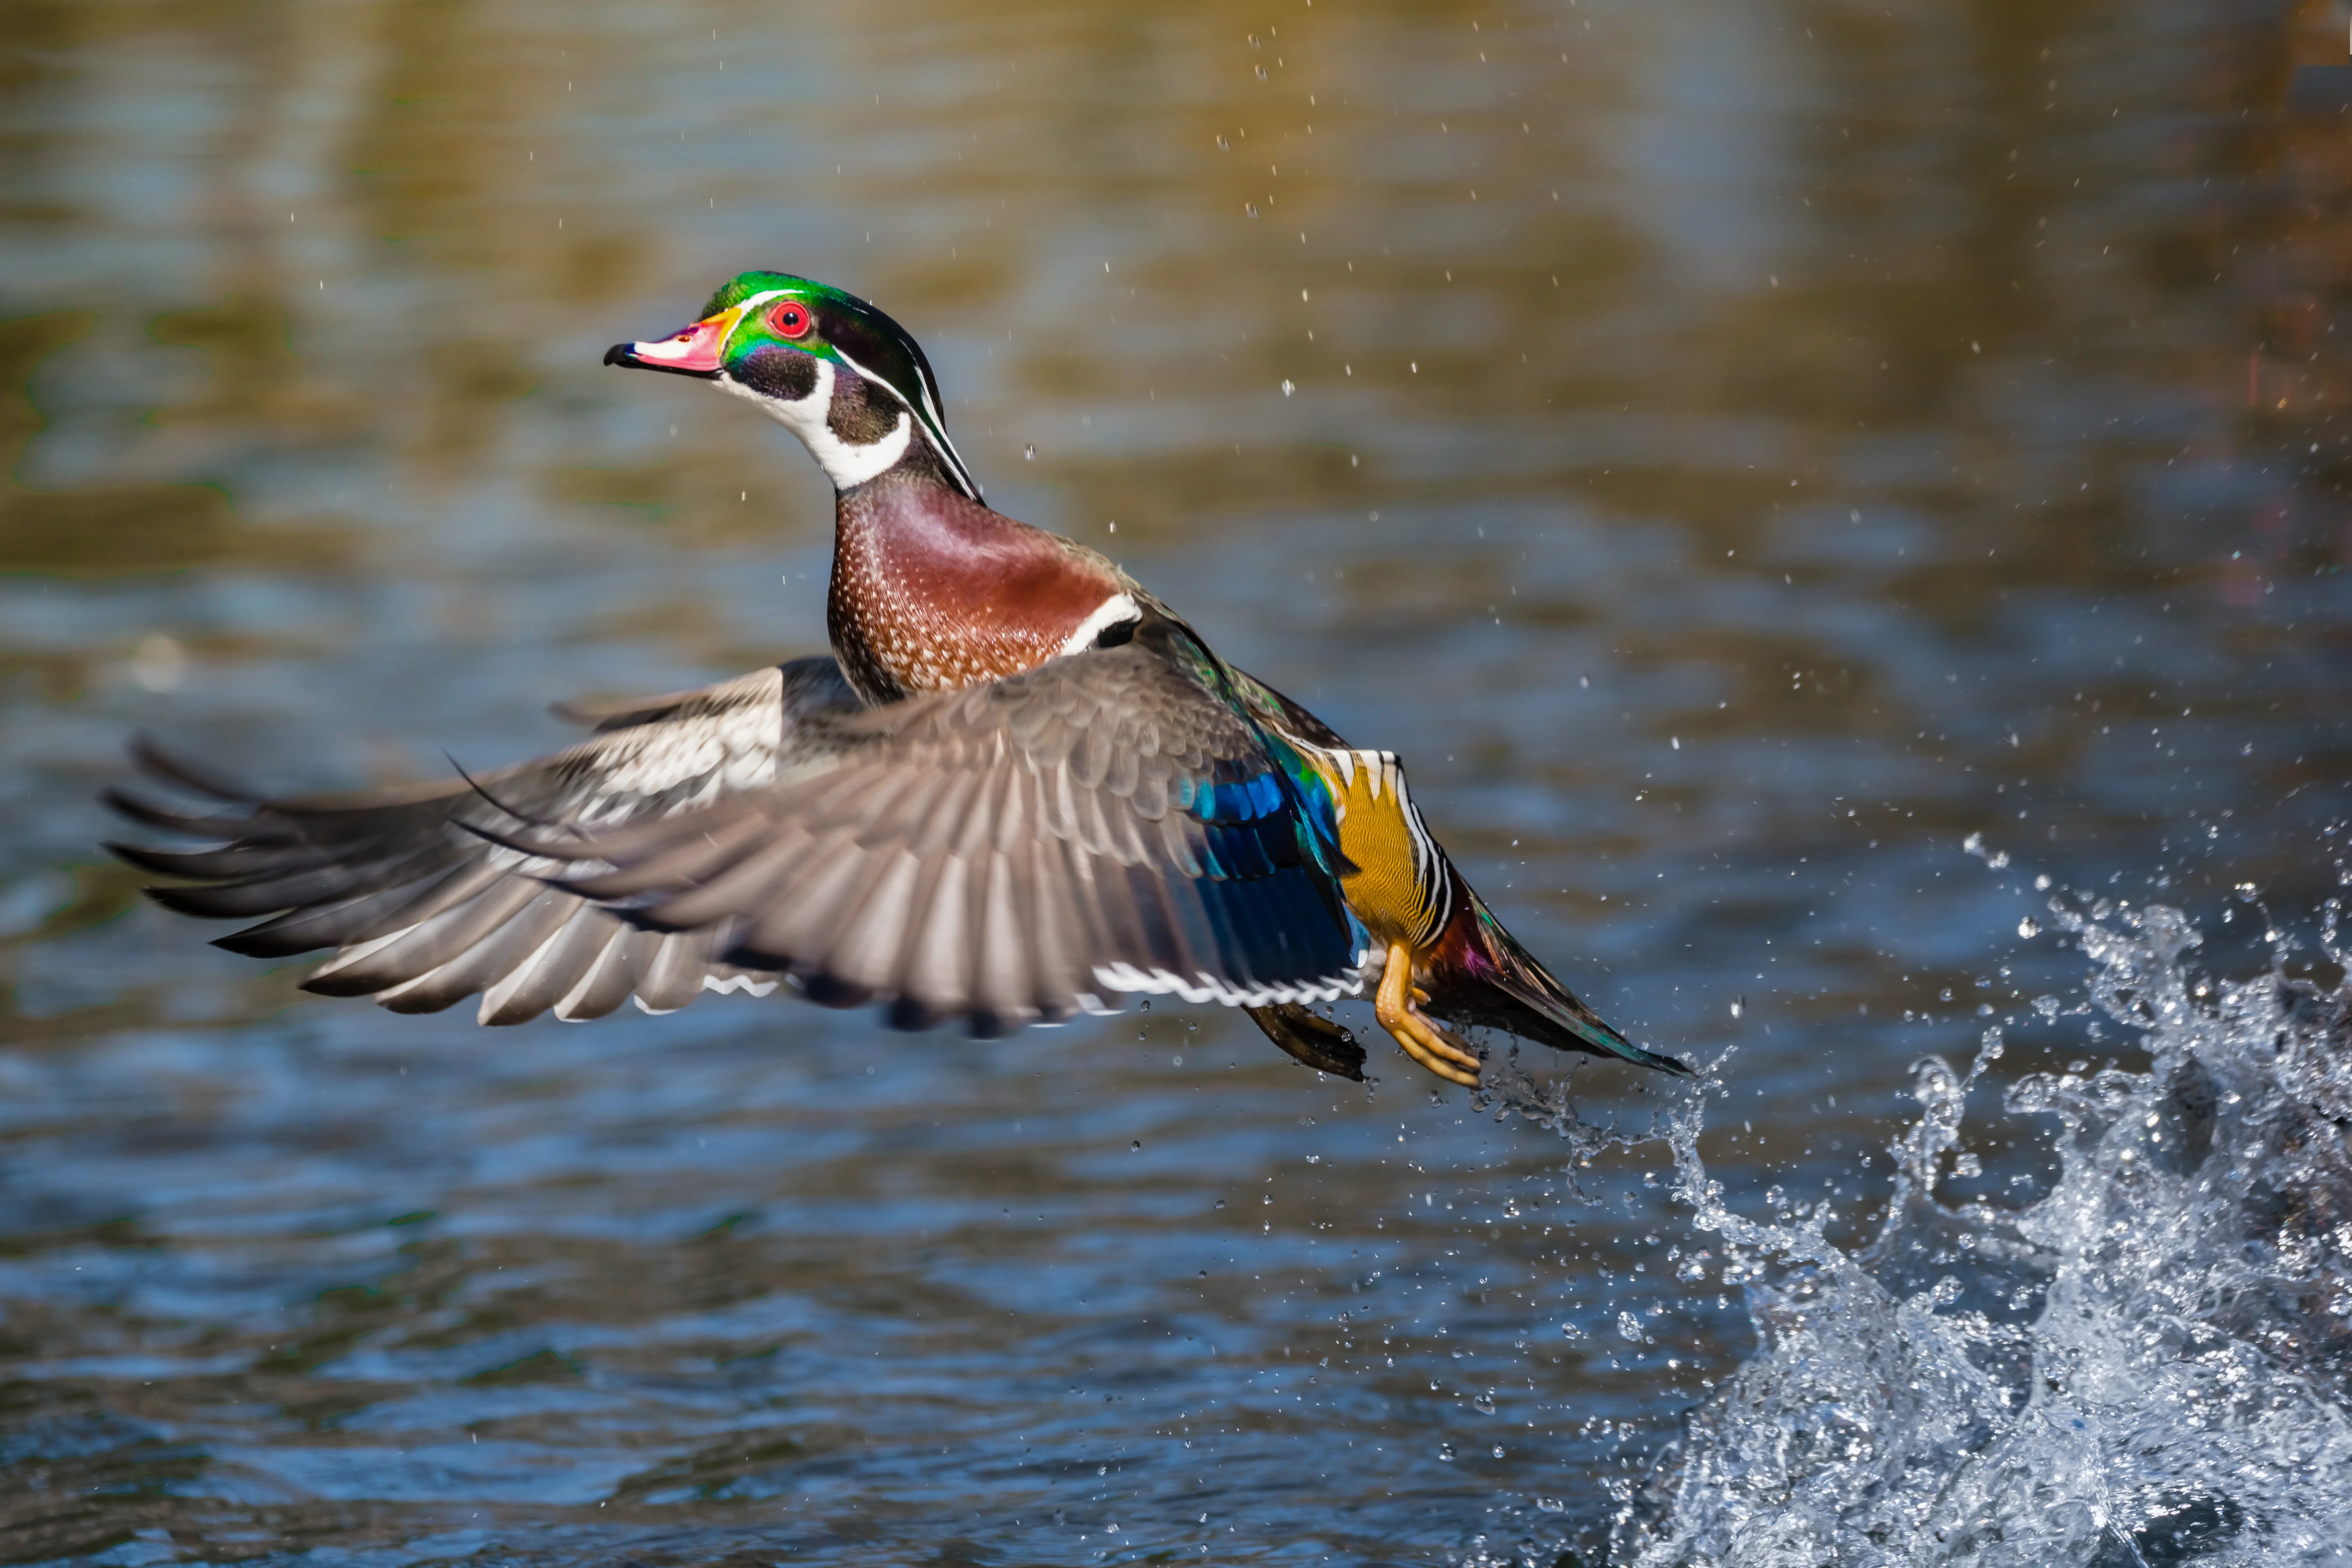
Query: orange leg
1422, 1040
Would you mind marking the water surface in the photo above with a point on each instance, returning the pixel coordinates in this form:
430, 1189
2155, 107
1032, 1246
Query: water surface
1734, 453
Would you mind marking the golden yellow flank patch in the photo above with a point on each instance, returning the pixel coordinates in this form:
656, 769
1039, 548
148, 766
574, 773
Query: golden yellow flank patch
1398, 888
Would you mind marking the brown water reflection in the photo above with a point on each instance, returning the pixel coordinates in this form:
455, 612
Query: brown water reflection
1734, 453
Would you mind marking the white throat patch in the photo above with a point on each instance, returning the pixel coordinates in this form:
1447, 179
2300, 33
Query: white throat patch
843, 464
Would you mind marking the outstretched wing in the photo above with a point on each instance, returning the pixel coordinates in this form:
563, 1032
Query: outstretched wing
423, 910
1015, 851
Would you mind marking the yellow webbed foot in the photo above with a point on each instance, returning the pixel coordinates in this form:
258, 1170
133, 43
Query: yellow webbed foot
1398, 1008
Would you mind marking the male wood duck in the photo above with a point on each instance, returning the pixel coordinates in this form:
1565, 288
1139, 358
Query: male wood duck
1021, 788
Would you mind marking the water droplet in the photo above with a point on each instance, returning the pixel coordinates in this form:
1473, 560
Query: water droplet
1446, 1452
1029, 453
159, 664
1288, 387
1136, 1147
1738, 1006
1250, 207
2029, 927
1224, 145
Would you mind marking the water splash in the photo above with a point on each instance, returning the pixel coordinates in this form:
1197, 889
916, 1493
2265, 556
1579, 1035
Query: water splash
2152, 1363
1507, 1090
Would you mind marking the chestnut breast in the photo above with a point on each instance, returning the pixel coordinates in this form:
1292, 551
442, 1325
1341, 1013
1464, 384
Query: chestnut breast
931, 590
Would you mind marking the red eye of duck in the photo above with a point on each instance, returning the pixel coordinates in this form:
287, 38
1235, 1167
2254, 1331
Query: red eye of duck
789, 320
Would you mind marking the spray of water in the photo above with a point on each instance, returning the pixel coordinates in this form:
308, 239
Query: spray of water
2151, 1364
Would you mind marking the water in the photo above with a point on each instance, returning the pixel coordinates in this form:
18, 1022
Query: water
2146, 1363
1826, 435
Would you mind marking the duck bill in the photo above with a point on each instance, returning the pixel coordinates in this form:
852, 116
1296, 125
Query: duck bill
691, 350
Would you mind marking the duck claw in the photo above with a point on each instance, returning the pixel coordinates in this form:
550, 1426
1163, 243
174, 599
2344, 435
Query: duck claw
1398, 1008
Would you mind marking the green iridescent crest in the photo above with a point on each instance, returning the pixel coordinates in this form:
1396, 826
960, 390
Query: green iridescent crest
845, 330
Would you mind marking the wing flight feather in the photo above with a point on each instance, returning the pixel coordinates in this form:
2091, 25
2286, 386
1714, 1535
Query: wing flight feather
423, 910
1018, 851
1004, 853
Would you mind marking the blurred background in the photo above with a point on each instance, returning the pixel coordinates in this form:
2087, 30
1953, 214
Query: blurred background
1735, 453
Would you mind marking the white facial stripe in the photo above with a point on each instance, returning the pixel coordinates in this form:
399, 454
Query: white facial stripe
843, 464
939, 443
934, 429
1109, 613
736, 313
939, 423
946, 449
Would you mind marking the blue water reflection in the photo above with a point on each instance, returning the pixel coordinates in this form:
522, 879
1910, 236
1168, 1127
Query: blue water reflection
1734, 458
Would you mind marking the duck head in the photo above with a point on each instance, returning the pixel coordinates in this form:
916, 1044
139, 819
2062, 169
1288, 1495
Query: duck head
844, 377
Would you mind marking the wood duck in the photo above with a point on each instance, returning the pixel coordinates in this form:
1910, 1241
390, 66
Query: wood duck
1021, 788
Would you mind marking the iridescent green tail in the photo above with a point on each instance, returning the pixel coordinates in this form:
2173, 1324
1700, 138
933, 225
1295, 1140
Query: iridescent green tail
1529, 984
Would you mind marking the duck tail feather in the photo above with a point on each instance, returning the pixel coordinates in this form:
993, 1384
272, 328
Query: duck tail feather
1528, 983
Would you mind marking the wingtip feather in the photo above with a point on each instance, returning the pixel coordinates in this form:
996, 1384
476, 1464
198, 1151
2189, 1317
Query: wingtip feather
148, 755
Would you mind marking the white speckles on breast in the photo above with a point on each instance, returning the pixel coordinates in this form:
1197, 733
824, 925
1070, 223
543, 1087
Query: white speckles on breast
878, 614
